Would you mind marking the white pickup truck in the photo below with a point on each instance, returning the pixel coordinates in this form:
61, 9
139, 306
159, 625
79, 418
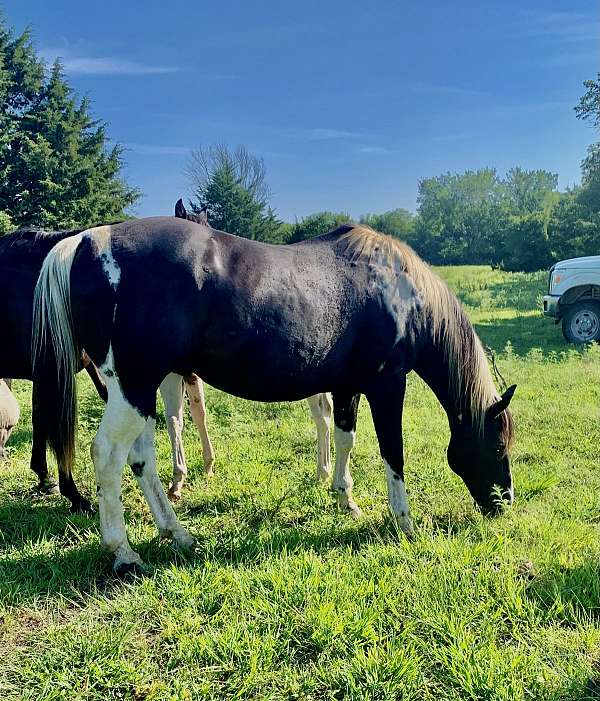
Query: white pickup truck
574, 298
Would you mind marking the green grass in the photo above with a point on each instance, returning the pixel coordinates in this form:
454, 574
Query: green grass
287, 598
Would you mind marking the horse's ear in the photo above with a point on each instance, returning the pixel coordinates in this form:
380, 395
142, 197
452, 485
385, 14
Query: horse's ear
180, 210
203, 216
498, 407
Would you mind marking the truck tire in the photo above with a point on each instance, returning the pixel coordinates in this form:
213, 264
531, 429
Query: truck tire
581, 322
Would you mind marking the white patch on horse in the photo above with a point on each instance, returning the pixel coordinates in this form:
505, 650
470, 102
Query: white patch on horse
121, 424
101, 235
126, 436
342, 479
398, 500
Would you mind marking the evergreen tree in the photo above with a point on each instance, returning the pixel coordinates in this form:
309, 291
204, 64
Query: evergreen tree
56, 170
232, 187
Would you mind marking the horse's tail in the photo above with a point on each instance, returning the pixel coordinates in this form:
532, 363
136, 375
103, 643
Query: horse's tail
55, 354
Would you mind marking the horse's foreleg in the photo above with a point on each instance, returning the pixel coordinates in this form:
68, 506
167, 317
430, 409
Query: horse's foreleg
345, 413
320, 409
171, 390
386, 400
195, 391
142, 459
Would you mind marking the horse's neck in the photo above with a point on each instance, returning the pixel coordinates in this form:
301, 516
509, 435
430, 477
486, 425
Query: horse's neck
433, 368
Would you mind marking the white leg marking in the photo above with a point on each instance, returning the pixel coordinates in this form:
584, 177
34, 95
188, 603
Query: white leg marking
398, 500
171, 390
195, 391
321, 409
142, 458
342, 479
120, 426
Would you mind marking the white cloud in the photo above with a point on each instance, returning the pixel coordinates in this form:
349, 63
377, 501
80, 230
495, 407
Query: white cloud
103, 65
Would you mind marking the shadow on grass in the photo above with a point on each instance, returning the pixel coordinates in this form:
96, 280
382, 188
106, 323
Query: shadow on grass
524, 334
46, 552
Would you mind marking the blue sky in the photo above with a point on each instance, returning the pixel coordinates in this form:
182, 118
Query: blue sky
349, 103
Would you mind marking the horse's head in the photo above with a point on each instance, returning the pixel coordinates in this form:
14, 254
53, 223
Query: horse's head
481, 458
181, 212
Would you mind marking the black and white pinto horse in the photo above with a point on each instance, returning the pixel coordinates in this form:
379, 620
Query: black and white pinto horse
351, 312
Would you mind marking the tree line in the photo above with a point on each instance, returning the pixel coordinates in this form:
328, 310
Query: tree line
58, 170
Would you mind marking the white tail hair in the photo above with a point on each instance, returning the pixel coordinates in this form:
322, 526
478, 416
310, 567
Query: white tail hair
52, 322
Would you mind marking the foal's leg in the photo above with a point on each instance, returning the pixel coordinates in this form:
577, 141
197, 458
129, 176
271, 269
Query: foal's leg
195, 391
386, 400
321, 409
142, 458
95, 376
345, 412
171, 390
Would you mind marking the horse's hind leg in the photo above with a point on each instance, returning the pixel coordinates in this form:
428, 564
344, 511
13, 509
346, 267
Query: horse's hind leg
142, 459
386, 400
47, 485
121, 424
39, 463
171, 390
321, 409
195, 391
345, 413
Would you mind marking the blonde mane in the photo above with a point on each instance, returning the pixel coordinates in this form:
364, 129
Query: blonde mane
470, 381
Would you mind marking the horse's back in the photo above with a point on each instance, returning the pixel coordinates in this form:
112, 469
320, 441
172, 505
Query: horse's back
258, 320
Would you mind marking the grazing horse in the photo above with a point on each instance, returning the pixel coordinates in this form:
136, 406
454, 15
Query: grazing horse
351, 312
9, 413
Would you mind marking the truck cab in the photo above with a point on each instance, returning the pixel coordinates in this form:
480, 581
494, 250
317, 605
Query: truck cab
574, 298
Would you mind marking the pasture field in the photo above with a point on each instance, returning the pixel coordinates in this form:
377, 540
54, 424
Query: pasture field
288, 598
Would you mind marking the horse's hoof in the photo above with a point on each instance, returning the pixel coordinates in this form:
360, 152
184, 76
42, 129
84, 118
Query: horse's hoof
128, 570
83, 507
209, 472
48, 486
174, 496
404, 525
184, 540
354, 510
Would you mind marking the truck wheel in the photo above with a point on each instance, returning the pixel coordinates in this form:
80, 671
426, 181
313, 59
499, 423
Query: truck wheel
581, 322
